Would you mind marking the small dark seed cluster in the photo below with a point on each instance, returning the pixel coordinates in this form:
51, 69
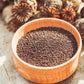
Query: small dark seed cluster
47, 46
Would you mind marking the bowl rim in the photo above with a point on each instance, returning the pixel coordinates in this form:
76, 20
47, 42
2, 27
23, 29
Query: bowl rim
52, 67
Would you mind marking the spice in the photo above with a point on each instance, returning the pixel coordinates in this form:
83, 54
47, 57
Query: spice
22, 12
32, 3
24, 9
68, 14
47, 46
50, 12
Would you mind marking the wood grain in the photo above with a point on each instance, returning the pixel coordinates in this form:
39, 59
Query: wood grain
8, 72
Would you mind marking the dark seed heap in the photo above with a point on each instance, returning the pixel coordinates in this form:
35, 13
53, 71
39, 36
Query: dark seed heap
47, 46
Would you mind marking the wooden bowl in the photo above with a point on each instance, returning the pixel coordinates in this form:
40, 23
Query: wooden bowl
46, 74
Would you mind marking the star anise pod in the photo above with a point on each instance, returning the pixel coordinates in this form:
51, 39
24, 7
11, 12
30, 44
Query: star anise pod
32, 3
68, 14
22, 12
14, 24
50, 12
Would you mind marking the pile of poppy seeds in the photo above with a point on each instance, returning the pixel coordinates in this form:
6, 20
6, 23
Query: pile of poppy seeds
47, 46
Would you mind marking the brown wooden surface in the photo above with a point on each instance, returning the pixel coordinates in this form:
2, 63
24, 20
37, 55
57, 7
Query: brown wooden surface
8, 72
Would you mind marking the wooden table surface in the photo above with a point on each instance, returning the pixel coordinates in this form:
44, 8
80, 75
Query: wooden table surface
8, 72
